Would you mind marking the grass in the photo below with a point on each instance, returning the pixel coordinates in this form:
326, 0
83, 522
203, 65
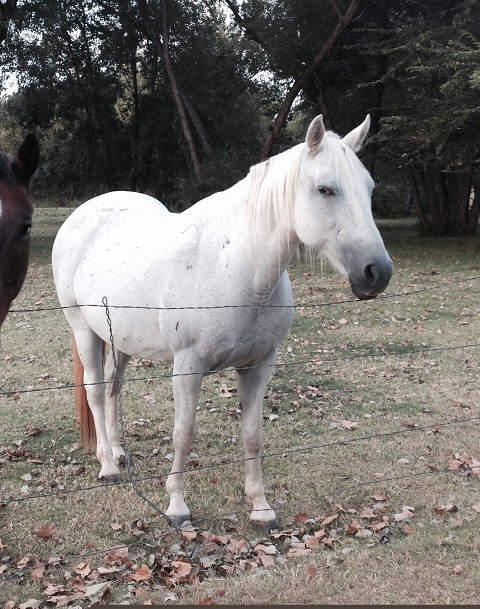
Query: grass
375, 396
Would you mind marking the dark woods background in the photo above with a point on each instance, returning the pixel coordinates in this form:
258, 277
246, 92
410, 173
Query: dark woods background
178, 98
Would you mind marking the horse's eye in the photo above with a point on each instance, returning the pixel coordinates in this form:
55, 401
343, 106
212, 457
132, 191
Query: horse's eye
326, 192
25, 231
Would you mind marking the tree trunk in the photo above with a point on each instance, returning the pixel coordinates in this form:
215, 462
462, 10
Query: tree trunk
377, 89
343, 21
474, 208
443, 201
7, 10
162, 48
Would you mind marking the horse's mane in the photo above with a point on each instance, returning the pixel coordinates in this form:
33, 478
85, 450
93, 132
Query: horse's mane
272, 192
273, 184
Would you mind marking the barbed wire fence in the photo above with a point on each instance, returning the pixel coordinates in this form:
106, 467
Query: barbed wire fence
133, 480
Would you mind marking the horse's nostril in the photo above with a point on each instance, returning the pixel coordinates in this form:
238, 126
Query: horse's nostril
370, 273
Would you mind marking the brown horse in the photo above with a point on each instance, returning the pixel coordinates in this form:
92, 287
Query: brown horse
15, 219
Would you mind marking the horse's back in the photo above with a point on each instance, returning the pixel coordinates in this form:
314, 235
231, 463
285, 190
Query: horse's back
106, 209
174, 282
111, 214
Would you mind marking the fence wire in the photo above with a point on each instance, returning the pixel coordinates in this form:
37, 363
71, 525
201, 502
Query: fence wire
134, 480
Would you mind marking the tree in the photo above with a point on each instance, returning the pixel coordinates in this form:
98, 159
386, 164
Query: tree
7, 10
111, 87
432, 118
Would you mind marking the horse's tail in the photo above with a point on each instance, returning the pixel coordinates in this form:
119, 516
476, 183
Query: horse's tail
84, 414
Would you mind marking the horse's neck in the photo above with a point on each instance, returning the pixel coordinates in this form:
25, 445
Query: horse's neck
257, 260
270, 258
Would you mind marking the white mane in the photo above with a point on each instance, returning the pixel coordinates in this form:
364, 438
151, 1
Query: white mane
272, 193
273, 184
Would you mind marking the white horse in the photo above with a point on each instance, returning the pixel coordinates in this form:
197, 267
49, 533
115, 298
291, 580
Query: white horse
211, 286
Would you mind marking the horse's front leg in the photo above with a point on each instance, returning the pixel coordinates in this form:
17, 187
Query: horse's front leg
187, 381
113, 377
252, 385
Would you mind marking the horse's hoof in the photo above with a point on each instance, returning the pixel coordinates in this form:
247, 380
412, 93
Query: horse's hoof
266, 528
111, 479
178, 521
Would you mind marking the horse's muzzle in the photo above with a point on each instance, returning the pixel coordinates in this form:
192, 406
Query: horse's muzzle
372, 280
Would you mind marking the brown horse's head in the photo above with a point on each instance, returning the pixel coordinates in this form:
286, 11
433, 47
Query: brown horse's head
15, 219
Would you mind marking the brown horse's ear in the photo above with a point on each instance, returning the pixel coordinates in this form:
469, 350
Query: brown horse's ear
27, 159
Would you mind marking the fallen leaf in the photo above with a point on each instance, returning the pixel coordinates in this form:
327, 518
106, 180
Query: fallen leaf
23, 562
310, 573
33, 430
476, 507
208, 600
166, 595
30, 604
347, 424
379, 496
457, 569
118, 555
329, 541
301, 517
83, 569
54, 590
95, 592
182, 569
189, 535
312, 542
108, 570
329, 520
363, 533
444, 509
354, 527
37, 572
45, 532
266, 560
295, 552
142, 574
116, 526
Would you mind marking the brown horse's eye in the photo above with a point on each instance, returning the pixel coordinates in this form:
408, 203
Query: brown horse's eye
25, 231
325, 191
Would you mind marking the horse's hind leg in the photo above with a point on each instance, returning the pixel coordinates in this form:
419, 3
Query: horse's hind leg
187, 382
113, 377
89, 347
252, 385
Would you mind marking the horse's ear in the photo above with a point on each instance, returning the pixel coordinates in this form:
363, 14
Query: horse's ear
355, 138
27, 159
315, 133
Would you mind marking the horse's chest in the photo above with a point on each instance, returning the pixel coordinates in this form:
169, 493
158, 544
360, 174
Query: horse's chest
227, 336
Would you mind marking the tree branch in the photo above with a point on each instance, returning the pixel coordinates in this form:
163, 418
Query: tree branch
344, 20
250, 32
161, 46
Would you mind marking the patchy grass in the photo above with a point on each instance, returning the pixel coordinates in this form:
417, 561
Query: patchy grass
363, 417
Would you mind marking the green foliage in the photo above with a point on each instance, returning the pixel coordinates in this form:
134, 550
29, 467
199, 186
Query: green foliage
94, 84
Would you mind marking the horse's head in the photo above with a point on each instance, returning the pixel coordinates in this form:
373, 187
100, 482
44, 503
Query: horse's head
15, 219
333, 212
